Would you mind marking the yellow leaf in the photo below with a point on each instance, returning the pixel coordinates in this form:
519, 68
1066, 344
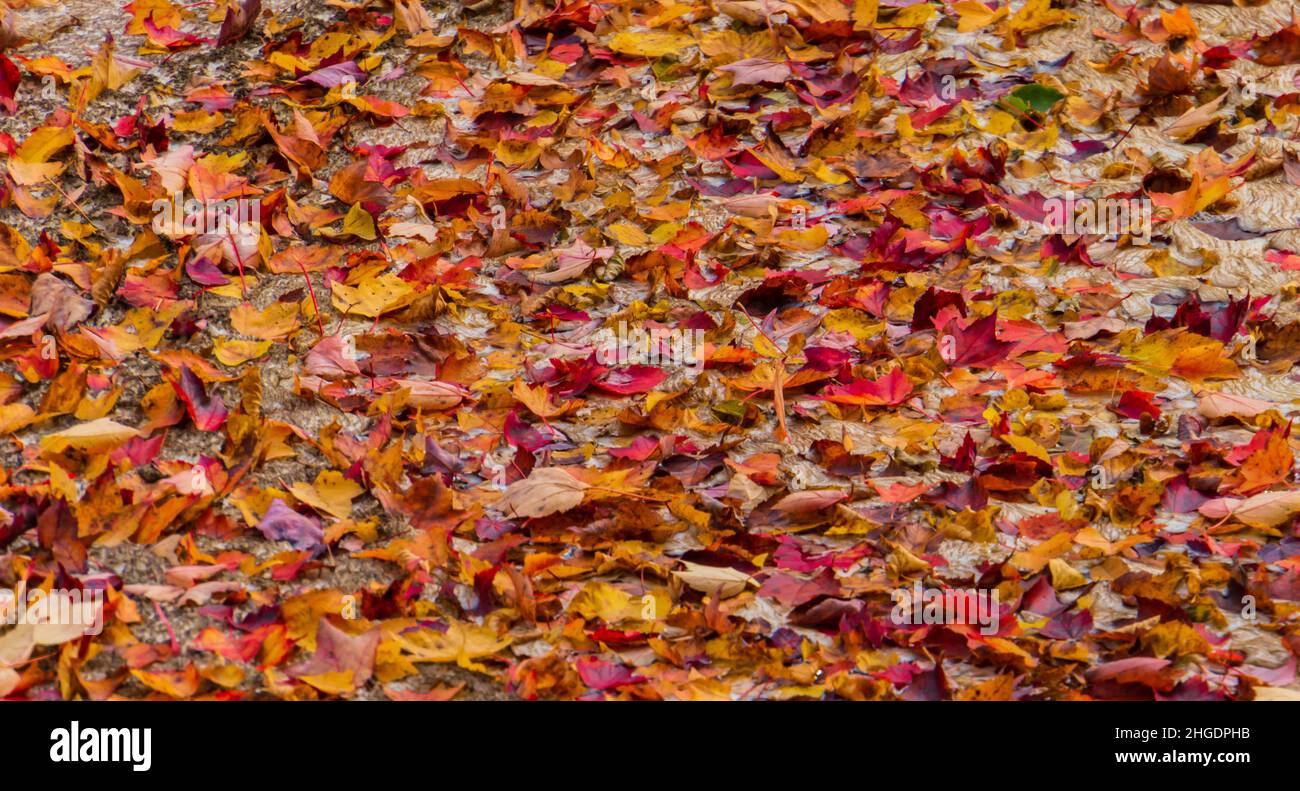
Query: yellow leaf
358, 222
276, 322
1064, 576
604, 601
338, 682
807, 240
1188, 355
107, 71
766, 348
198, 121
518, 153
1027, 445
374, 297
858, 324
781, 170
538, 400
1089, 537
650, 43
1038, 15
913, 16
236, 351
173, 683
628, 234
1035, 558
331, 493
97, 436
973, 15
825, 173
1195, 119
902, 562
461, 643
864, 14
30, 163
15, 416
1177, 638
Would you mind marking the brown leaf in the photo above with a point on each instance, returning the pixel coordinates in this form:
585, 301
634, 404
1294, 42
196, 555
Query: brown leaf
548, 490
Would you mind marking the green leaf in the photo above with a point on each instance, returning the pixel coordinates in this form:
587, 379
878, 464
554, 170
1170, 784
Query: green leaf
1039, 98
732, 412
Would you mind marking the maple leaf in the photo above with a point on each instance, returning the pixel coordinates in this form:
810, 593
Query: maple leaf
888, 390
793, 591
977, 344
342, 662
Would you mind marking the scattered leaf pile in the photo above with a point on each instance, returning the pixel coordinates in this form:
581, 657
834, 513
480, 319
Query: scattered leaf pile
361, 443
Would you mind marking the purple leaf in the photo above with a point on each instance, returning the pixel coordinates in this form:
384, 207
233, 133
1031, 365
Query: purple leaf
239, 20
282, 523
207, 412
202, 271
339, 73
